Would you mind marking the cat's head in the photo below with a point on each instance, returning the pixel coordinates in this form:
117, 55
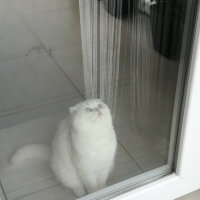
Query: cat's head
91, 111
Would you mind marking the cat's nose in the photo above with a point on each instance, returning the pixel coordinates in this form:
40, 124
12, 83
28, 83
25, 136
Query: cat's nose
97, 109
100, 106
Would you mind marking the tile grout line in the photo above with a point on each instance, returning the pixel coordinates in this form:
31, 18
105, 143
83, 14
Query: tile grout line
130, 156
66, 75
33, 51
44, 48
3, 191
31, 184
32, 193
25, 54
37, 106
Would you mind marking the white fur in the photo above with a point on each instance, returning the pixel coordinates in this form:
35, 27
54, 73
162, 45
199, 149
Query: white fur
83, 148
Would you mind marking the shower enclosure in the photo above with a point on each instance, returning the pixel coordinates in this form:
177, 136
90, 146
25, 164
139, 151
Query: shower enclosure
140, 57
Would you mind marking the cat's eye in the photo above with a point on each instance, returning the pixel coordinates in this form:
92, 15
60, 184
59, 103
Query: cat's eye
88, 109
100, 106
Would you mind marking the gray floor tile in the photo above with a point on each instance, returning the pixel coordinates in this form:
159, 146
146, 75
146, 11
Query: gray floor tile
2, 196
28, 7
121, 155
15, 38
56, 28
33, 79
19, 177
45, 184
54, 193
148, 142
152, 161
123, 171
36, 111
70, 60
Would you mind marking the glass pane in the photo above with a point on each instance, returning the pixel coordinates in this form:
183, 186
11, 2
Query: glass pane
132, 54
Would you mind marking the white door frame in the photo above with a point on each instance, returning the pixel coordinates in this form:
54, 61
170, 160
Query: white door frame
187, 174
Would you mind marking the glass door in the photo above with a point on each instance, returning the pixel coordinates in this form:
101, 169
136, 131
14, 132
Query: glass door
153, 41
134, 55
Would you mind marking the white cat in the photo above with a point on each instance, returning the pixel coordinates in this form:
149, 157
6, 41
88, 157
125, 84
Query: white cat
83, 148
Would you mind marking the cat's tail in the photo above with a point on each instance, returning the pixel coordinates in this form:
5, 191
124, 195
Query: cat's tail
30, 152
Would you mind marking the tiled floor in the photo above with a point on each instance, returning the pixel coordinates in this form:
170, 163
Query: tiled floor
2, 196
70, 60
41, 76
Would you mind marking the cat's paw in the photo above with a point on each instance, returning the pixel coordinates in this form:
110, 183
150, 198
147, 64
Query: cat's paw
79, 192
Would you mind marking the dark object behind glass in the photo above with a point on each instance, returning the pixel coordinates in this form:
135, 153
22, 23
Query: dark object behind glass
167, 21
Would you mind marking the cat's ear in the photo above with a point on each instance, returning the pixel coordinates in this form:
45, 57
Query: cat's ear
72, 110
